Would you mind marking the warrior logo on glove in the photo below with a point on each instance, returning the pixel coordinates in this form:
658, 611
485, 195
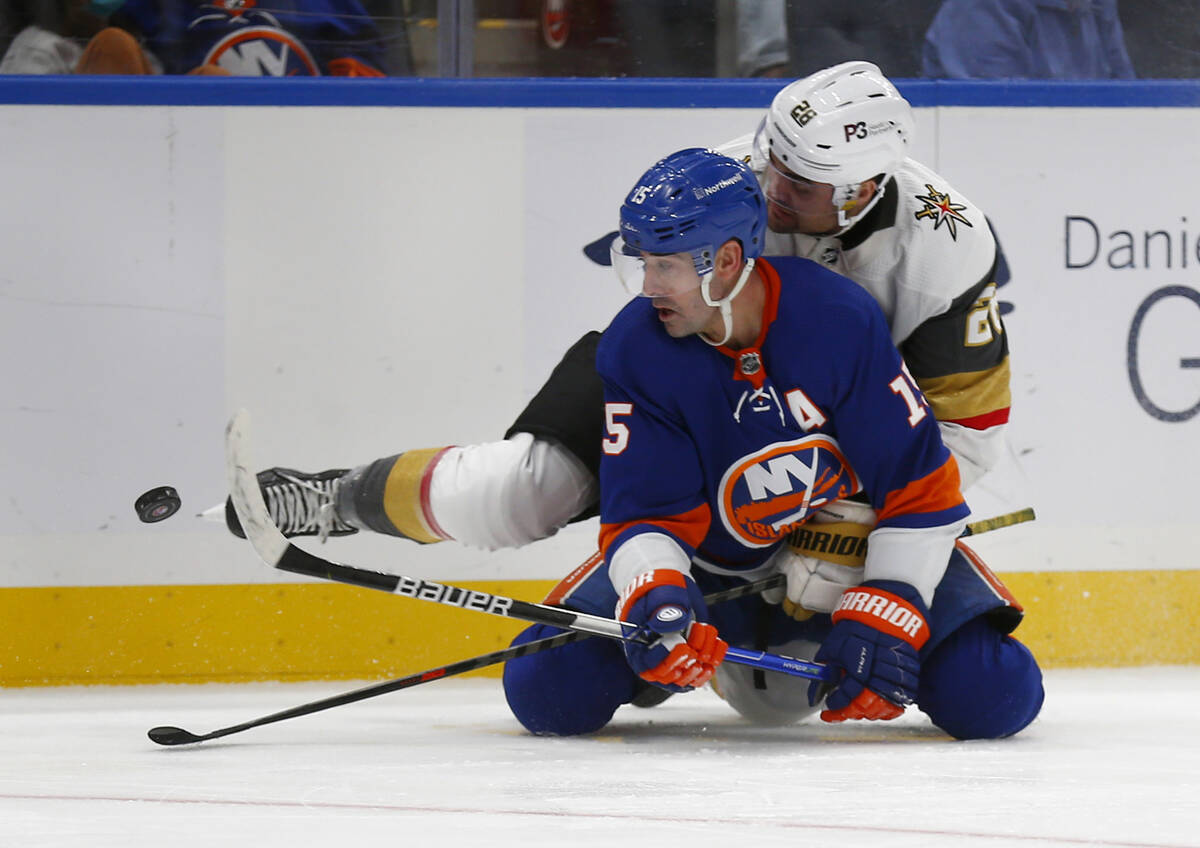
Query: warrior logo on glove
766, 494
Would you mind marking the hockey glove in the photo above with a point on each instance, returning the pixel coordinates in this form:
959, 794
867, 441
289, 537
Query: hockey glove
813, 585
685, 652
878, 628
822, 559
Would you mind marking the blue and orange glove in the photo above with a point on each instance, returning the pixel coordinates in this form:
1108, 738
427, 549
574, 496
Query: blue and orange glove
667, 604
878, 628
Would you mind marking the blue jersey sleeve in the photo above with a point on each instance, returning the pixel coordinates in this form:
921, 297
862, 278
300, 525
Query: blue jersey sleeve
888, 431
651, 478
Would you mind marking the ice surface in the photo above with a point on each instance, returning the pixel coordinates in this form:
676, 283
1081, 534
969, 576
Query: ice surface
1112, 761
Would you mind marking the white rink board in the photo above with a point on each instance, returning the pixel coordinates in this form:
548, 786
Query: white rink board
367, 280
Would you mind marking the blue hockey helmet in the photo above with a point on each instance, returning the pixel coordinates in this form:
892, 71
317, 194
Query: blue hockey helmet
693, 201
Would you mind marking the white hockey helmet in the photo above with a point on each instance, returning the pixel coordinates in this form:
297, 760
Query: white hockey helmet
843, 125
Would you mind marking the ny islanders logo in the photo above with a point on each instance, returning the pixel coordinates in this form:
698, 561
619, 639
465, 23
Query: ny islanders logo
766, 494
250, 42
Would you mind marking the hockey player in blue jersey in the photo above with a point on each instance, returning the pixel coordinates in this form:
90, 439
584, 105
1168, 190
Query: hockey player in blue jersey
743, 395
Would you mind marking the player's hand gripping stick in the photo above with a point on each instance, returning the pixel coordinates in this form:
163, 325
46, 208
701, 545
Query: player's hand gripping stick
878, 627
667, 604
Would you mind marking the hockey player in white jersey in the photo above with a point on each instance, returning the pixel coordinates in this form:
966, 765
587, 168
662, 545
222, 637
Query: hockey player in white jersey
923, 251
831, 155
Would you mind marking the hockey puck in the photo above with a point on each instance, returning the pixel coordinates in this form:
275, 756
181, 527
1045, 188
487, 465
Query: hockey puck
157, 504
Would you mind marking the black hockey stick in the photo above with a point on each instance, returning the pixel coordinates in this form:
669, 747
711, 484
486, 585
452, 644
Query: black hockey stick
275, 550
179, 736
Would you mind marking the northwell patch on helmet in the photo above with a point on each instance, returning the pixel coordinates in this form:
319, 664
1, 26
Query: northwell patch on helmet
766, 494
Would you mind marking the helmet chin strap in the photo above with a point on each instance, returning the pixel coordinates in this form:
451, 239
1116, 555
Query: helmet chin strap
842, 198
725, 304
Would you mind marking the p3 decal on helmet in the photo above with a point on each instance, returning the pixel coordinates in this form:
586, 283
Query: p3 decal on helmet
843, 125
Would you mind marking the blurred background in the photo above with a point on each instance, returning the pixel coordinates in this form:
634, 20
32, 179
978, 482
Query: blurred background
984, 39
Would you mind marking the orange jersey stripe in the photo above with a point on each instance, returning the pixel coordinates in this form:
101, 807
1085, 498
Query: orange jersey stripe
989, 576
770, 279
568, 584
938, 490
691, 527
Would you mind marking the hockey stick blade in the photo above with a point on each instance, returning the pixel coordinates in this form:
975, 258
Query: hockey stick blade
170, 736
178, 736
278, 552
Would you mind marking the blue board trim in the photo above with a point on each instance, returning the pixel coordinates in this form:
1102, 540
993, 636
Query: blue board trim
558, 93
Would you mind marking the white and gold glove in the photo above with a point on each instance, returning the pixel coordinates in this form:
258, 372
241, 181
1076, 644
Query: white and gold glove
823, 558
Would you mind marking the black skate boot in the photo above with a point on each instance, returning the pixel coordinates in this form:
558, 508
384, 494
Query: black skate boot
300, 504
647, 695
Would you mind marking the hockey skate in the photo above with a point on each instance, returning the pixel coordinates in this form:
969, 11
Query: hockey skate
646, 695
300, 504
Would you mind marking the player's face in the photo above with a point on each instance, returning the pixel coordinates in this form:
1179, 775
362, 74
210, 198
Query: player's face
673, 287
646, 274
668, 275
797, 205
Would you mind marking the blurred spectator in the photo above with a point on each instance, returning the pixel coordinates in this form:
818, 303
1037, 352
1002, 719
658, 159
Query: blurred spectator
1163, 37
70, 36
6, 28
669, 38
762, 49
822, 33
798, 37
391, 21
256, 38
1027, 39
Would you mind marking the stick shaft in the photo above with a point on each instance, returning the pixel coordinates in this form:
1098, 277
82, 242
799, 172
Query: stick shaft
177, 736
278, 552
987, 525
292, 559
298, 561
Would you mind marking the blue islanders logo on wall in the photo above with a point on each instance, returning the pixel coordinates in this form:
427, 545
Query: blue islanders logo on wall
250, 42
766, 494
